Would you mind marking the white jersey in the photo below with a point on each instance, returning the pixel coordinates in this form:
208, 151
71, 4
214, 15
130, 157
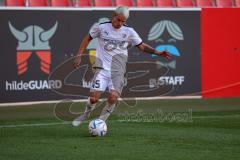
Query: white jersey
113, 44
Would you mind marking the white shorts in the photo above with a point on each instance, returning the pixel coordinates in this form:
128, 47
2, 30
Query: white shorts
104, 79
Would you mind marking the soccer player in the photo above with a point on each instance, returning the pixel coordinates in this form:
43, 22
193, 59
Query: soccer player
114, 39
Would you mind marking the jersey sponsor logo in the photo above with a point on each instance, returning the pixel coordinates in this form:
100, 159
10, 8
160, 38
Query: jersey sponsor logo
110, 45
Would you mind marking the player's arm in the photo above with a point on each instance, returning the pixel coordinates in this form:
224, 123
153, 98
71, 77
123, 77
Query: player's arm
82, 48
148, 49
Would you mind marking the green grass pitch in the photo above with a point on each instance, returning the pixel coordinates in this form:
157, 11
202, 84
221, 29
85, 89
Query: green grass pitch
212, 132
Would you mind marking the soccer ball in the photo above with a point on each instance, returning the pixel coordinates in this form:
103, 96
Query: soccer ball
97, 127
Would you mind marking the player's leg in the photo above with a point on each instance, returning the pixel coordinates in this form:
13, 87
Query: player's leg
99, 85
93, 99
110, 105
91, 103
115, 86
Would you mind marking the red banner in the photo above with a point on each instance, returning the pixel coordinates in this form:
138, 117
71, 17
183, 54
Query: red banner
220, 41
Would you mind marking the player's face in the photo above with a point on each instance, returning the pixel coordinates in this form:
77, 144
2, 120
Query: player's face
118, 20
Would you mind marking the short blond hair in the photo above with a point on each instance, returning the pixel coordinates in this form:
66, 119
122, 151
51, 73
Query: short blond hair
123, 10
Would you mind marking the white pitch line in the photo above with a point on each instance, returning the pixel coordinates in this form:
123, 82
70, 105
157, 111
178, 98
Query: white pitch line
14, 104
33, 125
222, 116
67, 123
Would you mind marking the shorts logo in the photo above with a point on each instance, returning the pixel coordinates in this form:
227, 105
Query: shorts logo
33, 39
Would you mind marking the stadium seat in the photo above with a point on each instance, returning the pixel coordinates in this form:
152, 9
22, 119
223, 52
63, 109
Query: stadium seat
237, 3
15, 3
184, 3
144, 3
82, 3
204, 3
36, 3
224, 3
164, 3
60, 3
103, 3
128, 3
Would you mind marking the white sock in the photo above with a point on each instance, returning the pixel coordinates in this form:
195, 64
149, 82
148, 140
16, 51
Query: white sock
106, 111
89, 108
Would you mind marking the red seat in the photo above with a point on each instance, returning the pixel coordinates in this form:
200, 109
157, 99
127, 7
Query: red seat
204, 3
237, 3
184, 3
82, 3
103, 3
128, 3
144, 3
15, 3
36, 3
224, 3
165, 3
60, 3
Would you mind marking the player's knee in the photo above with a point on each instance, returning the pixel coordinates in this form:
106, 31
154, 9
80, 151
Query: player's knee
93, 100
112, 99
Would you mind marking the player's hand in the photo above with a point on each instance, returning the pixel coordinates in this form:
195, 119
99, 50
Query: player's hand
165, 54
77, 61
